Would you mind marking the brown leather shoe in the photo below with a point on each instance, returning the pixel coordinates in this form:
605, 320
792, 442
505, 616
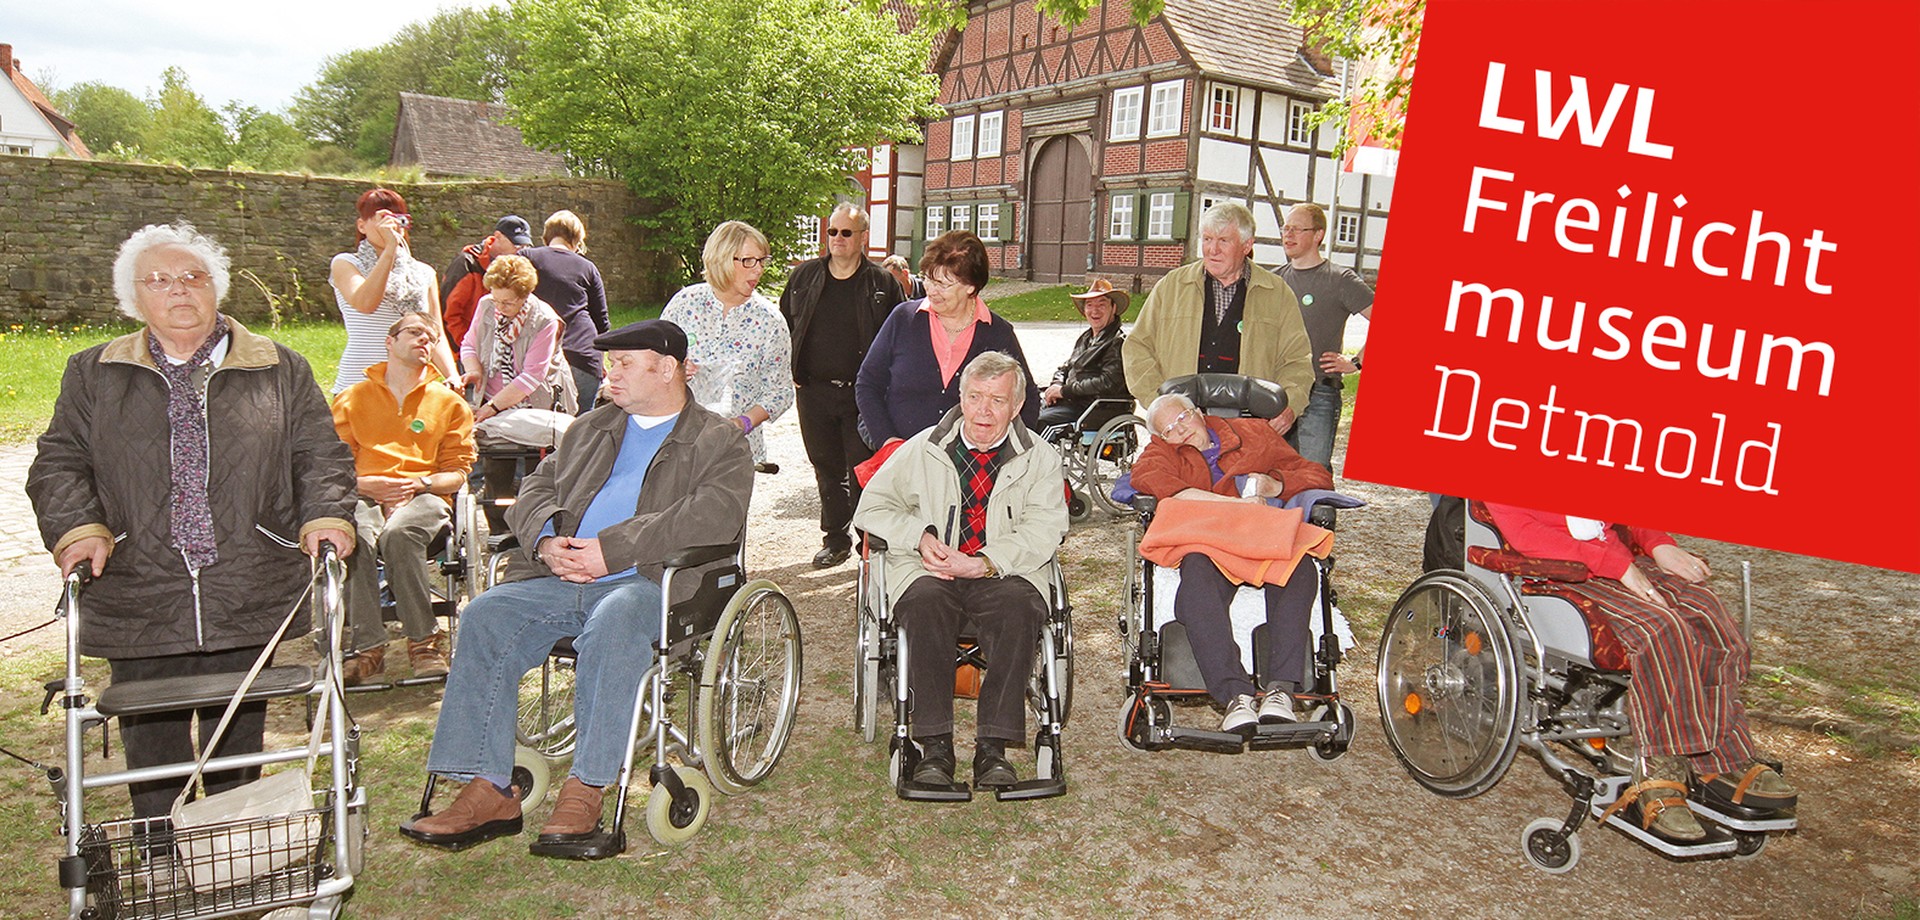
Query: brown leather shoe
480, 813
365, 665
576, 813
428, 657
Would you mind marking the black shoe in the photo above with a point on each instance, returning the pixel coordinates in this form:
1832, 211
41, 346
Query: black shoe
767, 468
990, 767
936, 763
828, 557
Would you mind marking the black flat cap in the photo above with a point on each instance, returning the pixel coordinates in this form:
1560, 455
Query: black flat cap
656, 335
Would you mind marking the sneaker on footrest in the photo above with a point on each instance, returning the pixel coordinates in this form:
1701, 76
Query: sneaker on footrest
1276, 706
1242, 715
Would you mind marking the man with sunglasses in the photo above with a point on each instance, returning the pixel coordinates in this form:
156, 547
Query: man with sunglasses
834, 306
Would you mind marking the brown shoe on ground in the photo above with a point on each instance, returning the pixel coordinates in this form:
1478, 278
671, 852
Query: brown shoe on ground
480, 813
576, 812
364, 666
428, 657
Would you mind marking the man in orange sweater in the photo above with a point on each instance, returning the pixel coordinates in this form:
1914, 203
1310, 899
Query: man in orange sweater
412, 442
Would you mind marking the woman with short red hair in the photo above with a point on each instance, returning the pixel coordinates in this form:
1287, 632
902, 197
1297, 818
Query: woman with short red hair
377, 283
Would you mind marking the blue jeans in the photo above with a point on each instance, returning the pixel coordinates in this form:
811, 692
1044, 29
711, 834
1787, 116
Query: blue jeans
1320, 422
507, 632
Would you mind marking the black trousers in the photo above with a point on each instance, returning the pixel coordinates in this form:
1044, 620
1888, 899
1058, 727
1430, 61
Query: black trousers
167, 737
830, 429
1201, 606
1004, 616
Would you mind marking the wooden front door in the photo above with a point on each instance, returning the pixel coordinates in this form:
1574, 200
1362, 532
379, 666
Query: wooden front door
1061, 208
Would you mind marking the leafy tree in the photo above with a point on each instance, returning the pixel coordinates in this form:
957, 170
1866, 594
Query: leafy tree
261, 140
464, 53
184, 127
107, 117
719, 109
1386, 35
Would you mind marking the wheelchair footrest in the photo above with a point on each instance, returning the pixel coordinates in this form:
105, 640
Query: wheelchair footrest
1032, 789
1752, 820
927, 792
138, 697
1292, 734
601, 844
1200, 739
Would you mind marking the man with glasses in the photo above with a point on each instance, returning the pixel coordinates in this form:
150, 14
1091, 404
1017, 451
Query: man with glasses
1328, 294
1222, 314
834, 305
412, 443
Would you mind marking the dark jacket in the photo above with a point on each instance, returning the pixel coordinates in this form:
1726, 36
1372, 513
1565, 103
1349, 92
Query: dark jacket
462, 285
899, 391
571, 285
1095, 370
695, 492
878, 293
278, 472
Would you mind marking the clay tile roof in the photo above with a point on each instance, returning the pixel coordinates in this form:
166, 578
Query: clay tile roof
461, 137
1250, 41
59, 122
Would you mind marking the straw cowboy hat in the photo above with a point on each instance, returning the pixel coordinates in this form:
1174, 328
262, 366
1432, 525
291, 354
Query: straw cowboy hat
1101, 287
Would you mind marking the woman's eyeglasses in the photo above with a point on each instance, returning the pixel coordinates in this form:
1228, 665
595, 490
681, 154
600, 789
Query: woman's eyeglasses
753, 261
1185, 416
161, 281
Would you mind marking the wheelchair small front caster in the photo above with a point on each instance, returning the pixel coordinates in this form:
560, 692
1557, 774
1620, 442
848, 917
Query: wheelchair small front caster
1547, 848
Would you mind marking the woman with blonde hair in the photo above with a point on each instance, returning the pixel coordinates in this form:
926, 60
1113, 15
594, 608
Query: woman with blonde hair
513, 347
738, 347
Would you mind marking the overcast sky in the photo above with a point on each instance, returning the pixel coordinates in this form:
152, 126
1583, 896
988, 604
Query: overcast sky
259, 53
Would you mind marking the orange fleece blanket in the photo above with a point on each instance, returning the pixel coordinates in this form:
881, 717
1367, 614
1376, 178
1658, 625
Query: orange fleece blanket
1252, 544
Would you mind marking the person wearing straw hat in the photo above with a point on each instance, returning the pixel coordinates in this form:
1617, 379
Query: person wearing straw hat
1094, 370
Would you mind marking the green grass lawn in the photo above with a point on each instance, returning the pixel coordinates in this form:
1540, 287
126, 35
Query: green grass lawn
1051, 304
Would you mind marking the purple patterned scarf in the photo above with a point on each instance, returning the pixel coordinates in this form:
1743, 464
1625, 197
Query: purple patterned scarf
192, 516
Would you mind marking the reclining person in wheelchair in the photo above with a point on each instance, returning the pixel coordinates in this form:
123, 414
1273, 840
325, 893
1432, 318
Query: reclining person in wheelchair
644, 475
1201, 457
412, 443
972, 513
1688, 658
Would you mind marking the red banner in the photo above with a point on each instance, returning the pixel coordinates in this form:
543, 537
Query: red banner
1646, 267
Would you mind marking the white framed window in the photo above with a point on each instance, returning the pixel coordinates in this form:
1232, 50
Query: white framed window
19, 151
962, 138
936, 220
1346, 230
1163, 115
987, 222
1160, 216
1300, 124
1120, 217
809, 235
960, 217
1208, 201
1124, 123
1223, 108
992, 125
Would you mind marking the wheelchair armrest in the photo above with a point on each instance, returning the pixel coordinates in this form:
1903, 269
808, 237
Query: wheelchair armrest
874, 542
1144, 503
508, 542
700, 555
1508, 562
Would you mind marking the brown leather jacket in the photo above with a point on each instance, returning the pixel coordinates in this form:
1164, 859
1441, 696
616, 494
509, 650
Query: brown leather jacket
278, 472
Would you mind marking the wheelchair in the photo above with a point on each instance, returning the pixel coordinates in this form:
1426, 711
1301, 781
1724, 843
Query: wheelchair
462, 563
1476, 662
1161, 670
305, 859
880, 667
1097, 451
729, 657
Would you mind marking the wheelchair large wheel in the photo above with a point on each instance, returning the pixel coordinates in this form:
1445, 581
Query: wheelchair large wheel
1063, 656
546, 708
1449, 686
870, 687
749, 687
1111, 456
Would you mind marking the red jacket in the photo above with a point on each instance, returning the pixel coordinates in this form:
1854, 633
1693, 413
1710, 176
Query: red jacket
1247, 445
1544, 535
461, 287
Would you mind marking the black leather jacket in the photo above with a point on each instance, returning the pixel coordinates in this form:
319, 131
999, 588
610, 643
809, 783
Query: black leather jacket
879, 294
1094, 370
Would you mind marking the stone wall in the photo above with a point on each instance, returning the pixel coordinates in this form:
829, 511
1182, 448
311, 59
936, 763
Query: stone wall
62, 220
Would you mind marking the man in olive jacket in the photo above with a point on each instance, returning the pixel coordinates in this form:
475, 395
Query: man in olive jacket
646, 474
973, 512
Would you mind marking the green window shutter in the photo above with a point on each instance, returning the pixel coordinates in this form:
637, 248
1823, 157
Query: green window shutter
1140, 202
1182, 209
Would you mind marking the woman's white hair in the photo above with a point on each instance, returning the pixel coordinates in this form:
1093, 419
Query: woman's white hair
1162, 403
180, 234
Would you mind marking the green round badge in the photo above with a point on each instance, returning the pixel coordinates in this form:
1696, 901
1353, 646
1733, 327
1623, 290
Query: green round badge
417, 426
1307, 300
1240, 326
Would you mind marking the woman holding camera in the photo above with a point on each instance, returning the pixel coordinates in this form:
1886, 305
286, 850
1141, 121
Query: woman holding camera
377, 283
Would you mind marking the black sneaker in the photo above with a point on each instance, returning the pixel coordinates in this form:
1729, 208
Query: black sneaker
828, 557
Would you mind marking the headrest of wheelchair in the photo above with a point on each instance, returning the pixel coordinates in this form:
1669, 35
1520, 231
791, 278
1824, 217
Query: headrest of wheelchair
1230, 394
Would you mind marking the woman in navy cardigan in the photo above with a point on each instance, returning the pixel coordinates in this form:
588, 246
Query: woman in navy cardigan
911, 375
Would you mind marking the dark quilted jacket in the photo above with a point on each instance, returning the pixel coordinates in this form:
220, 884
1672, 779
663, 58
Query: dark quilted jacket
278, 471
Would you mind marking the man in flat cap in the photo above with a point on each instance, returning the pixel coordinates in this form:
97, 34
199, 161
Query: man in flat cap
644, 475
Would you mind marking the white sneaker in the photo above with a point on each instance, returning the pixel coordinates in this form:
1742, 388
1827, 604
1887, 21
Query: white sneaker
1241, 715
1277, 706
